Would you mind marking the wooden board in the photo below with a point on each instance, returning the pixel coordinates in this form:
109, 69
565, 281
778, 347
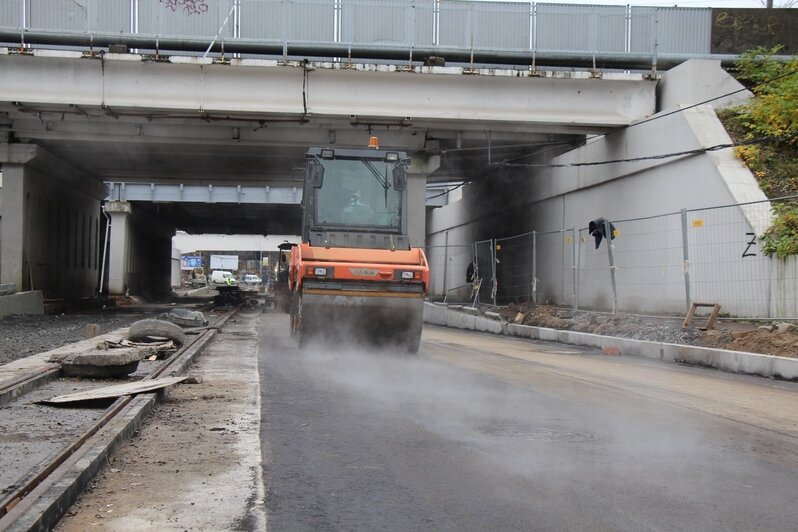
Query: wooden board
118, 390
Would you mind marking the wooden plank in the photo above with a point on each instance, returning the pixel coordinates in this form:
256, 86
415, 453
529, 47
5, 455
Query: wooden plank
712, 317
118, 390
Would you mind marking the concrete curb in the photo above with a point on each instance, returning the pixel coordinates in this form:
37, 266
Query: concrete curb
722, 359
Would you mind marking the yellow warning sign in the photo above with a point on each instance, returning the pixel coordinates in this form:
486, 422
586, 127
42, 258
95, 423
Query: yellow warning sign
498, 247
698, 223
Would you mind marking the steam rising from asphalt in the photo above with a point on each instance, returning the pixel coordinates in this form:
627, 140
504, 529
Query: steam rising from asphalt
530, 432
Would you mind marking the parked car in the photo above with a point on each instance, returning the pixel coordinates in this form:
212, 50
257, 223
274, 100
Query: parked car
252, 279
220, 277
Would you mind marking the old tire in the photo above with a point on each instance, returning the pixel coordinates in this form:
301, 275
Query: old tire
150, 329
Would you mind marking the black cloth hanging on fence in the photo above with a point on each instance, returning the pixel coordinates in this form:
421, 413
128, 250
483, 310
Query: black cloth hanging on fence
598, 230
470, 273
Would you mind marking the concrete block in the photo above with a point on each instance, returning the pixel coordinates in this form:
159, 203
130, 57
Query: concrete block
785, 368
493, 315
22, 303
90, 330
7, 289
102, 363
487, 325
785, 327
471, 310
523, 331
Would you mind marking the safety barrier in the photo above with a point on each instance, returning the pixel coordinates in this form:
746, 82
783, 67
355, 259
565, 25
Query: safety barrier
449, 24
654, 265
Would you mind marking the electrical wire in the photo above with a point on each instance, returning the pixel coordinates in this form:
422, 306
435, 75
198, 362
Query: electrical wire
509, 164
696, 151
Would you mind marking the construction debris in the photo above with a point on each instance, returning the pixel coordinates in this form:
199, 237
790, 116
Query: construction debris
90, 330
112, 392
185, 317
102, 363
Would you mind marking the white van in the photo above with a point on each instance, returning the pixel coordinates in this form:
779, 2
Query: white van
219, 277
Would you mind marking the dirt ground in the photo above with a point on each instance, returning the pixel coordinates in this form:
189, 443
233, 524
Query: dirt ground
195, 464
775, 339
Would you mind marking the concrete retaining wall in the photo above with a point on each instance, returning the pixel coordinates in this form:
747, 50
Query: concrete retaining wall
649, 260
722, 359
22, 303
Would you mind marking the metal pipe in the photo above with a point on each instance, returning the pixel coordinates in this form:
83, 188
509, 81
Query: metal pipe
105, 250
12, 36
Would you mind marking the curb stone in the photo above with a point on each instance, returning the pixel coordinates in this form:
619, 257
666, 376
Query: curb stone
732, 361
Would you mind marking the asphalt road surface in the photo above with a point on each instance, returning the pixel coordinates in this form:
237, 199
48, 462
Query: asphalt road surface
486, 433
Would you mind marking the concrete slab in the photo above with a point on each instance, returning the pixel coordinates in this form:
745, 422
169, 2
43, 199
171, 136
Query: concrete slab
22, 303
32, 365
722, 359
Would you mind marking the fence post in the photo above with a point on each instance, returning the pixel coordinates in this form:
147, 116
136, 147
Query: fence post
685, 254
608, 233
445, 260
578, 262
493, 280
573, 266
534, 267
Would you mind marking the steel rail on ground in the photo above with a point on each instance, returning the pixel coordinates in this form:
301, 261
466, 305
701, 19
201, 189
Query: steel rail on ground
15, 503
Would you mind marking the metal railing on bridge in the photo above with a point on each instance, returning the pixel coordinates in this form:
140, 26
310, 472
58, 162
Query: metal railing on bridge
410, 26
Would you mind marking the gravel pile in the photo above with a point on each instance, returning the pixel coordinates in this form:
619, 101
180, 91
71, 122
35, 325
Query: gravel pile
22, 336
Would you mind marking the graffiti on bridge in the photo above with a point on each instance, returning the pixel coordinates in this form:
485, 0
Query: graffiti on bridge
189, 7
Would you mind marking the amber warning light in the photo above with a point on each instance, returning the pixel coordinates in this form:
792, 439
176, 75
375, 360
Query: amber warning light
374, 142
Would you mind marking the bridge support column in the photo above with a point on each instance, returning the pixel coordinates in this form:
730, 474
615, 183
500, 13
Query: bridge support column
140, 252
50, 230
119, 246
421, 167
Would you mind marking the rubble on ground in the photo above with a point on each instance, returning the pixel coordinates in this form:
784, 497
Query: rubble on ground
779, 339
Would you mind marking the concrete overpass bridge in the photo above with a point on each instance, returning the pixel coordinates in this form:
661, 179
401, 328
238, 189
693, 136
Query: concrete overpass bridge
177, 138
166, 129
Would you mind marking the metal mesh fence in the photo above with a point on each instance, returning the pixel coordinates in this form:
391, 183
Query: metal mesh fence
658, 265
554, 267
726, 263
515, 267
649, 264
448, 266
485, 271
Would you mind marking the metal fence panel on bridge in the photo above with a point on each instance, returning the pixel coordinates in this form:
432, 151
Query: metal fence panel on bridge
458, 24
388, 22
68, 15
202, 19
580, 28
482, 25
670, 30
